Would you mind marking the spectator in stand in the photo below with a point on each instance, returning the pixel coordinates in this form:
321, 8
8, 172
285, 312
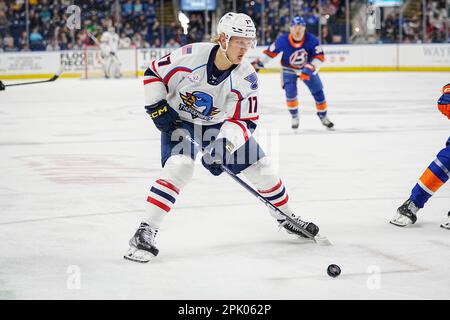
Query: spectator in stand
128, 30
172, 44
53, 45
125, 41
131, 16
3, 24
36, 39
127, 8
156, 43
138, 41
23, 40
9, 44
138, 8
326, 36
412, 29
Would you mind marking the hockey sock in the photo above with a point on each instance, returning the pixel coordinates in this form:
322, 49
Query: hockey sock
434, 177
162, 197
177, 172
278, 196
269, 185
321, 109
293, 107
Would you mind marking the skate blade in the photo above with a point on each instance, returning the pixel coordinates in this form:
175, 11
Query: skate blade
399, 223
445, 226
137, 255
322, 240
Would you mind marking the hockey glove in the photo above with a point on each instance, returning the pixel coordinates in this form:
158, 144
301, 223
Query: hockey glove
2, 86
444, 101
307, 72
215, 154
165, 118
258, 65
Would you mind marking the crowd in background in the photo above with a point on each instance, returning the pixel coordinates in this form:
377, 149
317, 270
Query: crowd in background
412, 31
276, 17
137, 23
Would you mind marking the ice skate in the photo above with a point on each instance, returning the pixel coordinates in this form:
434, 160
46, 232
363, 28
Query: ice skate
295, 122
406, 214
142, 244
326, 122
292, 229
446, 225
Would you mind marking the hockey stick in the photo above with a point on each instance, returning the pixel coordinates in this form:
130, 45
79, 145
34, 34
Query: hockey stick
53, 78
93, 37
300, 224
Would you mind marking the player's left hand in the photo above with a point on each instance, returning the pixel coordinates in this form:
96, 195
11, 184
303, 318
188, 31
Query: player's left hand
216, 154
444, 101
307, 72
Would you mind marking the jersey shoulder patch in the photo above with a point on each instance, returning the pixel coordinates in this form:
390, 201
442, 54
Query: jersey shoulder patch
253, 79
245, 78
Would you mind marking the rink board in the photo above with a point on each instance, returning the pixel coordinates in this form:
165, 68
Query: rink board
339, 58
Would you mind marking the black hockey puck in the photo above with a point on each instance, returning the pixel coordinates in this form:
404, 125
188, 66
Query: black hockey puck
333, 270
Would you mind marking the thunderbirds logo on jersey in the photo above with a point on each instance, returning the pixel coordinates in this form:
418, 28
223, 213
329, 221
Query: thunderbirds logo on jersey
299, 58
253, 79
199, 105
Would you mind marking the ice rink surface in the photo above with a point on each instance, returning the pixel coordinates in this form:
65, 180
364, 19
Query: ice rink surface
78, 157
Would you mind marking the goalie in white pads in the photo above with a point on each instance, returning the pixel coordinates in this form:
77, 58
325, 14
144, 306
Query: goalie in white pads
109, 44
206, 92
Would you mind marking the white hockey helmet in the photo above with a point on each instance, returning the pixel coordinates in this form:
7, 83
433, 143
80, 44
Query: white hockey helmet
237, 25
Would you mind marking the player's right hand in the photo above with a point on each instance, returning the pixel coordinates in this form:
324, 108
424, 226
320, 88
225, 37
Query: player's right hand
165, 118
258, 65
444, 101
307, 72
216, 154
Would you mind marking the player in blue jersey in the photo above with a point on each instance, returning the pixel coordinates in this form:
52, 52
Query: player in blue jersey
302, 57
434, 177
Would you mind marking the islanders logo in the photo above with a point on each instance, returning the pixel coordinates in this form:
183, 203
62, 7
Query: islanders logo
199, 105
299, 58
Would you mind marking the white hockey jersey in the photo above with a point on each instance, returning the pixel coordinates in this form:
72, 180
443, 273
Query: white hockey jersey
109, 42
184, 78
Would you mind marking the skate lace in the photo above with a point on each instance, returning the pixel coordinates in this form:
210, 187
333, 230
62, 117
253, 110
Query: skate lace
148, 234
290, 226
408, 208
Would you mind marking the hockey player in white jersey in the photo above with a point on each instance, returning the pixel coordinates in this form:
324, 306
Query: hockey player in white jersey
208, 93
109, 45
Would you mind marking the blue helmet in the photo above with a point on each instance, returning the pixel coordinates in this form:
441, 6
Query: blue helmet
297, 20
